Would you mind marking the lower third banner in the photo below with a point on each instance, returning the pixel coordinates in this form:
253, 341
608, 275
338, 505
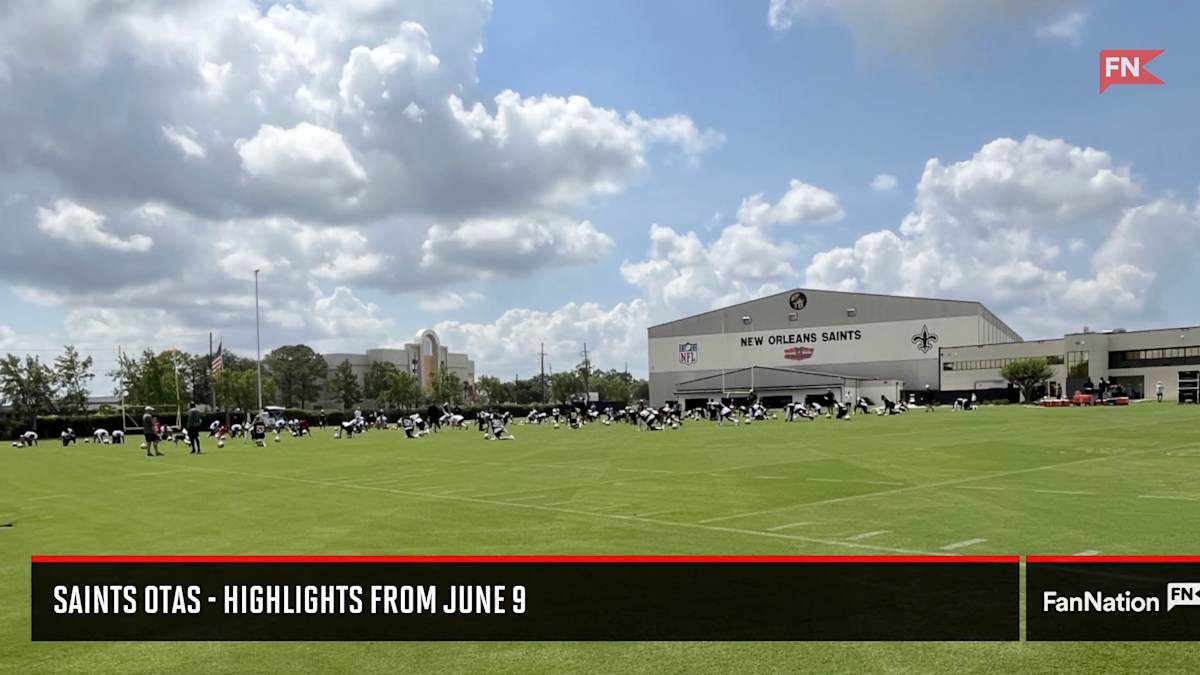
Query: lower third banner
525, 598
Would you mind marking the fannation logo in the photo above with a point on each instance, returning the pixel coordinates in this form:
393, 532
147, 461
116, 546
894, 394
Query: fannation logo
1179, 594
1127, 66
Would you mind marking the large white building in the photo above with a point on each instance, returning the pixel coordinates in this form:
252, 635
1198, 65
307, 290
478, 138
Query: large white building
806, 342
423, 359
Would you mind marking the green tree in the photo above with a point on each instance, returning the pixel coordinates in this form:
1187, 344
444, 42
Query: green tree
565, 386
404, 392
447, 388
72, 374
27, 385
379, 379
1026, 374
239, 389
343, 385
234, 389
154, 379
297, 371
493, 390
199, 379
614, 385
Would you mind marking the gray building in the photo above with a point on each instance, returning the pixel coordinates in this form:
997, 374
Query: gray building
423, 359
802, 341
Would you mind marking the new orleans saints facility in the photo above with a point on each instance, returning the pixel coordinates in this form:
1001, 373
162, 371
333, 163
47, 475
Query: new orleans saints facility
808, 342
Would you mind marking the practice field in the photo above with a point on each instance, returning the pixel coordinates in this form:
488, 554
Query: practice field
1002, 480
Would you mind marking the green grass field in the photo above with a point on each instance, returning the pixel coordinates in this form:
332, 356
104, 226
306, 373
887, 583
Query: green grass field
1003, 480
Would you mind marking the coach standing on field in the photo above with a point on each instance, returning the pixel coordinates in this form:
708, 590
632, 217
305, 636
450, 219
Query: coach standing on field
150, 433
193, 428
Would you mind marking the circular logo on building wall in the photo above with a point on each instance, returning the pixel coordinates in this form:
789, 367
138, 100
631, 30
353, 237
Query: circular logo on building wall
797, 300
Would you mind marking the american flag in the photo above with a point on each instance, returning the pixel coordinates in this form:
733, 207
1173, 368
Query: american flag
218, 362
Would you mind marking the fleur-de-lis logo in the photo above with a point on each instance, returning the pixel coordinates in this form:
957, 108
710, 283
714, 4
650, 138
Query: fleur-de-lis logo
924, 340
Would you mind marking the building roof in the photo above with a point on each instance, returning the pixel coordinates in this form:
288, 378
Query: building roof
873, 307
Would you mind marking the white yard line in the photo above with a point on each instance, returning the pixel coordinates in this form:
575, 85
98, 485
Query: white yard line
867, 535
944, 483
978, 487
37, 499
1062, 492
610, 507
772, 477
1172, 497
833, 543
788, 526
653, 513
1088, 552
457, 492
828, 480
521, 499
882, 482
962, 544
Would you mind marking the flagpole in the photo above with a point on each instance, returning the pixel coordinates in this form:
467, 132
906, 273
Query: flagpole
257, 343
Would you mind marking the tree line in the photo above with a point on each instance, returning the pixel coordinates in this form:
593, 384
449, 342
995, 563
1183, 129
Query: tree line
294, 376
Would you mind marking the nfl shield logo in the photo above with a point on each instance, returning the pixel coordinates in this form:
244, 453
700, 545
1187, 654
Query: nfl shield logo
688, 353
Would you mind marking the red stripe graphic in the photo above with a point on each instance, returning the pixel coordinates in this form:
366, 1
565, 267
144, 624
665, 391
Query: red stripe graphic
515, 559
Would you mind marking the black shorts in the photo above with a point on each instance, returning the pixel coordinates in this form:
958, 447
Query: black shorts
151, 438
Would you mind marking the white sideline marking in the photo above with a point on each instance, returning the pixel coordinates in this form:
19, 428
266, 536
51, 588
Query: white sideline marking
1183, 499
457, 492
788, 526
882, 482
1089, 552
944, 483
962, 544
660, 471
828, 480
867, 535
1063, 492
569, 501
772, 477
977, 487
36, 499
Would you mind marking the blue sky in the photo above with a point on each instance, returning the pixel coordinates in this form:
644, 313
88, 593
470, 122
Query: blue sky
374, 221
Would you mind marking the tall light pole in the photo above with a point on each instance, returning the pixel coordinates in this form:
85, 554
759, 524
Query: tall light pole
257, 343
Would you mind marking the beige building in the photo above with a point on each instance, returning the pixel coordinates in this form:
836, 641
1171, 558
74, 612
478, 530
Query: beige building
1135, 360
423, 359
